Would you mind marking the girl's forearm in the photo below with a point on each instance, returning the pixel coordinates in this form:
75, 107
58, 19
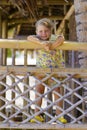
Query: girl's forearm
55, 45
34, 39
58, 42
44, 44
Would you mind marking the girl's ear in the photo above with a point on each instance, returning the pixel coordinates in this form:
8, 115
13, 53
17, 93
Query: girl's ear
36, 31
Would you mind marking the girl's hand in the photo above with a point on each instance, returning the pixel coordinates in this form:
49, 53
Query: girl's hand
59, 41
32, 38
46, 45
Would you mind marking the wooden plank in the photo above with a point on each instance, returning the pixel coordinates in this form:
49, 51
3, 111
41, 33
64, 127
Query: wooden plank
4, 3
27, 20
75, 127
55, 2
44, 126
22, 70
25, 44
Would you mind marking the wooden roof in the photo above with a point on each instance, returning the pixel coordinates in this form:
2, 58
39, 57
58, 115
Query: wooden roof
26, 12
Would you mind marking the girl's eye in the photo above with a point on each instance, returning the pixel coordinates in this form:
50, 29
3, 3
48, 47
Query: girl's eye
40, 31
46, 31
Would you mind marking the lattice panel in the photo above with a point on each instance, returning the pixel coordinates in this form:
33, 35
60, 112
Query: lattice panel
17, 98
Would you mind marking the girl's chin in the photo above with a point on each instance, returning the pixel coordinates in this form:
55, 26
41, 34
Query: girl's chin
45, 38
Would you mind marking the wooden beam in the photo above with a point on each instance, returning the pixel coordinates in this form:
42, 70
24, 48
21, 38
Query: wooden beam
5, 2
67, 16
22, 70
46, 126
28, 20
55, 2
25, 44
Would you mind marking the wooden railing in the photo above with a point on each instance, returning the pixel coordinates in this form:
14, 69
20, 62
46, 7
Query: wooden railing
17, 89
24, 44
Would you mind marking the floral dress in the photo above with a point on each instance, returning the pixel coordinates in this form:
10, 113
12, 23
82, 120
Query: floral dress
51, 58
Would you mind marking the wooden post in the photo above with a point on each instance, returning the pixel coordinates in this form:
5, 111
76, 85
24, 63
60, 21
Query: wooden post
67, 16
26, 81
72, 56
13, 81
2, 59
4, 35
1, 37
0, 24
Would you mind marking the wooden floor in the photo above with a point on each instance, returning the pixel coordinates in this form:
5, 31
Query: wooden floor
44, 126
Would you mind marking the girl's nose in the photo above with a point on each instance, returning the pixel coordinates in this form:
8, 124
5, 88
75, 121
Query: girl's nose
44, 33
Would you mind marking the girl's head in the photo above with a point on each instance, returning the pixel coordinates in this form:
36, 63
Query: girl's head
44, 28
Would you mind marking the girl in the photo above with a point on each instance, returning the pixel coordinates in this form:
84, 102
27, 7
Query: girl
47, 57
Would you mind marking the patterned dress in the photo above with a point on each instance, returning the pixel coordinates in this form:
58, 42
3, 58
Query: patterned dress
51, 58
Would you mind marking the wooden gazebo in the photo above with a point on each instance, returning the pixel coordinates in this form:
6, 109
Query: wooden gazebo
17, 81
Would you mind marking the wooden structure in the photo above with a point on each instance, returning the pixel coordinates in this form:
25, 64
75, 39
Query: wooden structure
19, 17
14, 79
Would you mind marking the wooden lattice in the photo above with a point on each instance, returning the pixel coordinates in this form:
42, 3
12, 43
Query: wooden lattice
19, 90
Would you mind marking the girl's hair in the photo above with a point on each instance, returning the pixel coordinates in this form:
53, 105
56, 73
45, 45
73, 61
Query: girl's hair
45, 22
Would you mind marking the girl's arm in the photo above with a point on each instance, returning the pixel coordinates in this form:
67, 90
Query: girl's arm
59, 41
45, 44
33, 39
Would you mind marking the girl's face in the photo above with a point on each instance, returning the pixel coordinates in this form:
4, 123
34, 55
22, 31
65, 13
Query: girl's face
43, 32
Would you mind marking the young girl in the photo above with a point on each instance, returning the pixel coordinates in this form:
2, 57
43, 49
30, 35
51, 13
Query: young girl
47, 57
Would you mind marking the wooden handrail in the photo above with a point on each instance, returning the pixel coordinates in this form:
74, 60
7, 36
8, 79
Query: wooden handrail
24, 44
22, 70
